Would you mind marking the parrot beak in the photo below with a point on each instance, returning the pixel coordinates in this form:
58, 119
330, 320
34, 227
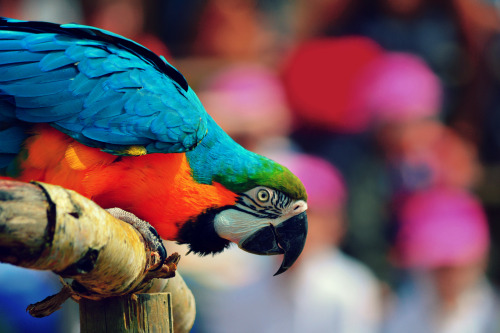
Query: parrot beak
288, 238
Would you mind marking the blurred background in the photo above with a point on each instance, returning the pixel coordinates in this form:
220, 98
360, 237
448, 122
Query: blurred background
389, 112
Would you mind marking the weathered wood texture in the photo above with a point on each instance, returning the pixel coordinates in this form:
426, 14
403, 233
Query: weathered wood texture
47, 227
183, 303
127, 314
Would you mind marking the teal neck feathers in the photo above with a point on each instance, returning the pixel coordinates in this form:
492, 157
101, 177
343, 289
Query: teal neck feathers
218, 158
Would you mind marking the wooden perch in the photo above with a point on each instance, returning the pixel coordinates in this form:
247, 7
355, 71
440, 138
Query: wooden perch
47, 227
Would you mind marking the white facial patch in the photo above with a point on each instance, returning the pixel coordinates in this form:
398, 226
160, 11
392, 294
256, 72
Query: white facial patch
236, 225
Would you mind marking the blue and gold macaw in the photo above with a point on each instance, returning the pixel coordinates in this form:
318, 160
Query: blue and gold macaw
100, 114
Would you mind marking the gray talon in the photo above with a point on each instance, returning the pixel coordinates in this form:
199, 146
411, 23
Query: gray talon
147, 231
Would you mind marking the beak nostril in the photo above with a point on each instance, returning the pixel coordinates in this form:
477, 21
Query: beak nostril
299, 206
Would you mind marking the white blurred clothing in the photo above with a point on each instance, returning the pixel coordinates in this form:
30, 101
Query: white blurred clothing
327, 292
416, 310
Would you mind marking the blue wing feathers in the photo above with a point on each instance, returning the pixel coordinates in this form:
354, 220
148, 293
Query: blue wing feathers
36, 89
173, 117
47, 100
102, 89
12, 45
125, 82
17, 56
14, 36
187, 129
100, 93
32, 40
48, 114
114, 138
94, 52
81, 85
55, 60
107, 105
34, 44
77, 52
19, 71
93, 68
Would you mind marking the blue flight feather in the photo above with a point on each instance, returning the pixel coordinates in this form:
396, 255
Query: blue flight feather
18, 56
81, 85
55, 60
102, 134
36, 89
47, 100
41, 43
48, 114
11, 72
108, 106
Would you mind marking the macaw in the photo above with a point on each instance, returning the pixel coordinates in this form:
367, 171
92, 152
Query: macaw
97, 113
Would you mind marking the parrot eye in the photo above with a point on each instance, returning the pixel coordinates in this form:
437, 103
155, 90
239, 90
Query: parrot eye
263, 195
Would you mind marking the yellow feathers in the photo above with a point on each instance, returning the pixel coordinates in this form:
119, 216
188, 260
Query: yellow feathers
135, 151
74, 161
80, 157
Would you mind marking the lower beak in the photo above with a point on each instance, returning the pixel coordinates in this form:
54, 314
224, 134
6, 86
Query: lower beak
288, 238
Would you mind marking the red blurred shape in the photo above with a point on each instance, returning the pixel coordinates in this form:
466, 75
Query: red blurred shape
319, 79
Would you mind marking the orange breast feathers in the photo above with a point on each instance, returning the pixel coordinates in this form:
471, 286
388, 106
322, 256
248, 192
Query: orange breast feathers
158, 188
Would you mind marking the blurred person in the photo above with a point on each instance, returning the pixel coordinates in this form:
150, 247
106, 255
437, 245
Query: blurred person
426, 153
413, 150
404, 97
398, 87
248, 100
443, 244
326, 291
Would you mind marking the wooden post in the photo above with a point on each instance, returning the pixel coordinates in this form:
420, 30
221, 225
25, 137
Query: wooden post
126, 314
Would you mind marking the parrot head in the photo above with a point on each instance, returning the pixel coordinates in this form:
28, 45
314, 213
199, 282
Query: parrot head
268, 216
265, 221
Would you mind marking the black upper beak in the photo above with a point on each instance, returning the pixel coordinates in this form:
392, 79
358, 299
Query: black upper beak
288, 238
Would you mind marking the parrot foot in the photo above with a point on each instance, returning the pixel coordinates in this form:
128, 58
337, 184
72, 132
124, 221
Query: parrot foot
169, 267
150, 235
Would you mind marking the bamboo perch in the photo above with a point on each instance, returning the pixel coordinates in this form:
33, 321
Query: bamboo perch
47, 227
